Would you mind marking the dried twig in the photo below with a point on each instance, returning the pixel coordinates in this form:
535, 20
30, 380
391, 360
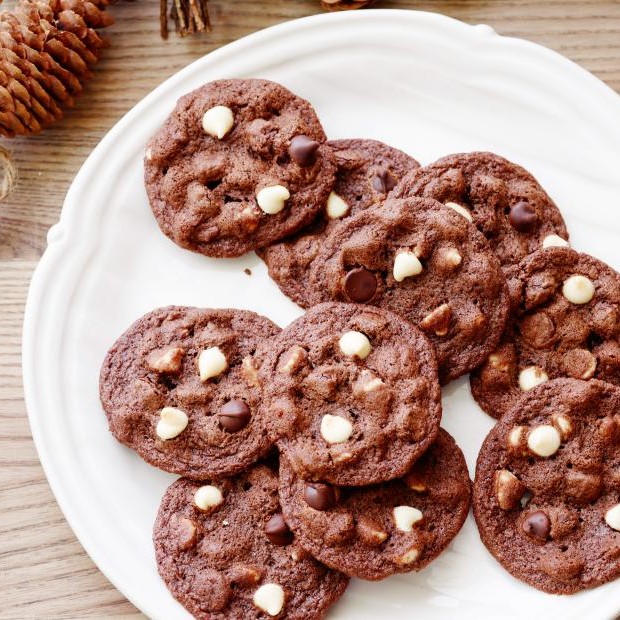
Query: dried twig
189, 16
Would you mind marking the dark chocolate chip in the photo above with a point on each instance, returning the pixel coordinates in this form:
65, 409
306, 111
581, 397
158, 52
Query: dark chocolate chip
383, 181
234, 415
303, 150
319, 496
537, 524
360, 285
523, 217
277, 531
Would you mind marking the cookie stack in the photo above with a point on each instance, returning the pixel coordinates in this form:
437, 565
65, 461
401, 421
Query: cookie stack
314, 453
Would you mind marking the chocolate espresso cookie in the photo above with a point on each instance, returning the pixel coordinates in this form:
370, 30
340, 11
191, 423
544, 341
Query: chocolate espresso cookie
503, 200
426, 262
565, 323
367, 171
180, 387
351, 394
237, 165
224, 551
393, 527
546, 494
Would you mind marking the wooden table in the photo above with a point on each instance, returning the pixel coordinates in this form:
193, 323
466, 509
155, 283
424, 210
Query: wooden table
44, 572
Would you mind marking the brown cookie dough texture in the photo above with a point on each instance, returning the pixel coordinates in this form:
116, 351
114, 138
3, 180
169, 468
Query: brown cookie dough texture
393, 527
503, 199
180, 387
237, 165
565, 322
546, 494
426, 262
351, 394
224, 551
367, 171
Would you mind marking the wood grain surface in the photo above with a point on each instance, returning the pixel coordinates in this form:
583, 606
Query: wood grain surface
44, 572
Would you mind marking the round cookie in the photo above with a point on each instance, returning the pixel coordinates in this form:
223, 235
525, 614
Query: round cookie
351, 394
237, 165
180, 387
426, 262
224, 551
547, 487
565, 322
367, 171
393, 527
505, 201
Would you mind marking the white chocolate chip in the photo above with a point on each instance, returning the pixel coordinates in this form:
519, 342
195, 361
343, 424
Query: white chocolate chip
416, 483
169, 360
408, 557
544, 440
461, 210
269, 598
272, 199
342, 457
406, 264
438, 320
336, 207
172, 422
554, 241
452, 257
515, 436
335, 429
531, 376
218, 121
211, 363
563, 424
405, 517
612, 517
148, 154
578, 289
508, 489
249, 371
372, 384
292, 360
355, 344
498, 361
207, 497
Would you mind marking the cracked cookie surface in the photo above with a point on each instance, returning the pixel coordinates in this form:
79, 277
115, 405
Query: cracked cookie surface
392, 527
565, 322
547, 487
224, 551
367, 171
351, 394
256, 172
180, 387
424, 261
503, 199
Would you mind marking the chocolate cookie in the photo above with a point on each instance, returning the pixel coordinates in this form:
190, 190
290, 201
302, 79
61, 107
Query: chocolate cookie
547, 488
393, 527
565, 323
180, 387
238, 164
426, 262
351, 394
224, 551
367, 170
504, 201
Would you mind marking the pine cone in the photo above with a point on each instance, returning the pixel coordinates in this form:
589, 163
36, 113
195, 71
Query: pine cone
46, 49
342, 5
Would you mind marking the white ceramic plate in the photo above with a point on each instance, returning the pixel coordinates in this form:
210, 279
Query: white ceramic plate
422, 82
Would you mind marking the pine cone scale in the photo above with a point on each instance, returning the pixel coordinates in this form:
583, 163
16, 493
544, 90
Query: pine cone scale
47, 48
